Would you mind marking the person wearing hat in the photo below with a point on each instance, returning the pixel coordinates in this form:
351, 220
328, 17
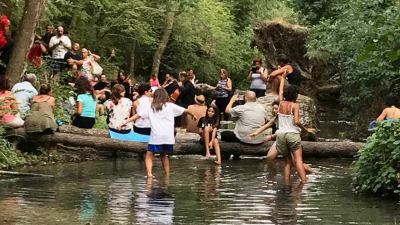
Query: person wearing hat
198, 109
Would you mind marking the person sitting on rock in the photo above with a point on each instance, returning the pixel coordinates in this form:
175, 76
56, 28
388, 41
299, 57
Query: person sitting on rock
250, 117
293, 75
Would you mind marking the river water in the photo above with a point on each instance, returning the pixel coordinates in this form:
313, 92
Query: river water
242, 191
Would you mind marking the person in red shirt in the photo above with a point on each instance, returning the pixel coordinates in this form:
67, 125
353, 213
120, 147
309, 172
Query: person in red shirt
6, 42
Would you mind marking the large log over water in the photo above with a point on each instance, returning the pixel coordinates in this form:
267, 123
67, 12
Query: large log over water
188, 144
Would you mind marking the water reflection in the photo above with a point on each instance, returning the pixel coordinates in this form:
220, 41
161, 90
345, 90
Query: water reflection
121, 195
154, 203
239, 192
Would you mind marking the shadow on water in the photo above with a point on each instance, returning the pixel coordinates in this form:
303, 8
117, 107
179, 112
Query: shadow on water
198, 192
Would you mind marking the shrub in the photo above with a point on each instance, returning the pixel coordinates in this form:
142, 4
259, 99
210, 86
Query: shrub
377, 168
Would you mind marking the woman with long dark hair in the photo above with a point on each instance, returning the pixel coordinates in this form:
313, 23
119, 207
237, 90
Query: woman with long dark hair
208, 126
85, 114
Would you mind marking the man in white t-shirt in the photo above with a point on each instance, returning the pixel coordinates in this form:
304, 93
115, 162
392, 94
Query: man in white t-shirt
59, 44
24, 92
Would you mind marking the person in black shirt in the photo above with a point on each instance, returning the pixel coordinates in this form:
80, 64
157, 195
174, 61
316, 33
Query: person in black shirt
102, 89
293, 75
187, 89
208, 126
170, 84
47, 36
73, 54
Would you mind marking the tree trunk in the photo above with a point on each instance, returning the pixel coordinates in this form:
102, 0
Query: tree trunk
132, 59
169, 24
33, 10
186, 144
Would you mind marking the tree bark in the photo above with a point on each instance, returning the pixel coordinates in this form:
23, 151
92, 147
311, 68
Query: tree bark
188, 144
33, 10
169, 24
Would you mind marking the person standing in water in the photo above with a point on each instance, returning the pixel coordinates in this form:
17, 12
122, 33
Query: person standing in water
161, 115
288, 140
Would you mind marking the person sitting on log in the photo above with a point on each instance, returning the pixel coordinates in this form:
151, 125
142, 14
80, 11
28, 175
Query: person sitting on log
199, 110
208, 126
250, 116
292, 74
143, 103
42, 117
118, 110
161, 115
85, 114
273, 123
288, 140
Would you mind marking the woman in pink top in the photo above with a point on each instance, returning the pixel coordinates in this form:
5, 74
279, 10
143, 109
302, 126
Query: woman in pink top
8, 105
154, 83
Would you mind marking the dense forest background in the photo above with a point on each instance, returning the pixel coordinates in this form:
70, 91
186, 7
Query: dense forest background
358, 39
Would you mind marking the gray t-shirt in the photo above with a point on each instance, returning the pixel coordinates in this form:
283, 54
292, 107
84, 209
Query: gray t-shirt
250, 117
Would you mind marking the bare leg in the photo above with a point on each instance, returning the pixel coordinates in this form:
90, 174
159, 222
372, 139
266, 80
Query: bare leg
217, 148
271, 156
207, 141
298, 158
286, 170
165, 162
149, 163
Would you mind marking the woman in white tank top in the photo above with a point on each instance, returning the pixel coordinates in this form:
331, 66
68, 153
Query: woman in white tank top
288, 141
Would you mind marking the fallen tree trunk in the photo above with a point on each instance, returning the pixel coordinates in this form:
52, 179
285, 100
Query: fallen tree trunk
188, 145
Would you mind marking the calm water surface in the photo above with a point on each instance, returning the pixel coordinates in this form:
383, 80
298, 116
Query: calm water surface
198, 192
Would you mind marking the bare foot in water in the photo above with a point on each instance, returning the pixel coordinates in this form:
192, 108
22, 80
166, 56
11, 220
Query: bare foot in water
217, 162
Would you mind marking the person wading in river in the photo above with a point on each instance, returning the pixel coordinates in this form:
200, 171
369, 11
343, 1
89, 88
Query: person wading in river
161, 115
288, 140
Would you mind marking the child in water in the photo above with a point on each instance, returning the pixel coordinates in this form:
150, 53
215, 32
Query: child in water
208, 126
161, 115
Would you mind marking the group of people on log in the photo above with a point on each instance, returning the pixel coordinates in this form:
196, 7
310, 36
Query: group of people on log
154, 110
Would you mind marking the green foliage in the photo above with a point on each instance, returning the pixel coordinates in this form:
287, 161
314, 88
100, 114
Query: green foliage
377, 168
9, 157
362, 41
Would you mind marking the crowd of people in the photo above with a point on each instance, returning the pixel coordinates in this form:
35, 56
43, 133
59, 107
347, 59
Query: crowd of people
155, 109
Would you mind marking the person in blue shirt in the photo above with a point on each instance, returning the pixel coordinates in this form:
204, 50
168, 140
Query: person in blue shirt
85, 114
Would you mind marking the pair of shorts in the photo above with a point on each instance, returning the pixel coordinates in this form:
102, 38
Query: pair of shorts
286, 143
84, 122
169, 149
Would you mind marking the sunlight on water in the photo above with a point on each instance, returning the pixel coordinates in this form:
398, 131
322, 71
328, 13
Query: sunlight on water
240, 192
